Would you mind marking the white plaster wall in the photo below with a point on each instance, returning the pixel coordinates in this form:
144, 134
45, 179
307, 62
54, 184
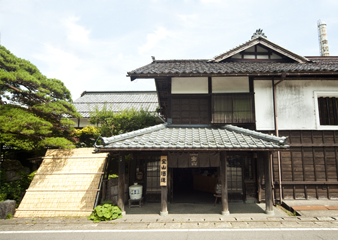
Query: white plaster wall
83, 122
189, 85
264, 105
296, 104
230, 84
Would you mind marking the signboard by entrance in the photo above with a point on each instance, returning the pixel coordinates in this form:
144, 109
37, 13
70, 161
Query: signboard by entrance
164, 170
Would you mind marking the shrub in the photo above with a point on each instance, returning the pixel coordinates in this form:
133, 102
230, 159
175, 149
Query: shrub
16, 189
105, 212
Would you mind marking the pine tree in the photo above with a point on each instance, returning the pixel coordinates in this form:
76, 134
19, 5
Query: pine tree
34, 109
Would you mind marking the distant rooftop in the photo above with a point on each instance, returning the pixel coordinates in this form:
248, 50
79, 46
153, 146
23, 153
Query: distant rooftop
116, 101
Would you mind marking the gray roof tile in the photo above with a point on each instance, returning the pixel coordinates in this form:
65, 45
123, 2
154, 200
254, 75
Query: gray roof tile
181, 67
116, 101
172, 137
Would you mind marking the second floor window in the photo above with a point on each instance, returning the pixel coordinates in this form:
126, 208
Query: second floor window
328, 111
233, 108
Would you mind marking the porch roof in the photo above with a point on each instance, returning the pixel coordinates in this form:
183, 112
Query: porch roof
193, 138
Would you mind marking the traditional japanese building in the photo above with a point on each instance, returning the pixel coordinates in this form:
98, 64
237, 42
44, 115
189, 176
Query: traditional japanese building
258, 119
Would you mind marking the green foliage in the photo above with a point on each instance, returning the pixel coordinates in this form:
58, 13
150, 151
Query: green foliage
105, 212
87, 136
33, 107
113, 176
15, 190
113, 123
9, 216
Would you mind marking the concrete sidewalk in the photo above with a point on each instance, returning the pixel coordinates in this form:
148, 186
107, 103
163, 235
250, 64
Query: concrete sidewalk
313, 207
147, 217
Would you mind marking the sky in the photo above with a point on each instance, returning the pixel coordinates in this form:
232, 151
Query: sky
90, 45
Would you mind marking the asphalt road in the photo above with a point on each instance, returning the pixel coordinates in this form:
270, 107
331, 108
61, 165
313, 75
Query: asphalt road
177, 234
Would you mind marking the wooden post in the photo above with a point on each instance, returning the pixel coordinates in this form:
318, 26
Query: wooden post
268, 184
223, 171
164, 201
120, 196
104, 190
163, 184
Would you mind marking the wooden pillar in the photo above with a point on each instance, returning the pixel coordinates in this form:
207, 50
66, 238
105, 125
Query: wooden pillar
164, 185
164, 201
268, 184
121, 182
223, 171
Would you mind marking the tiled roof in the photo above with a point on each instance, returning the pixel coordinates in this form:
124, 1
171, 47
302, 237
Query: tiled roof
116, 101
170, 137
200, 67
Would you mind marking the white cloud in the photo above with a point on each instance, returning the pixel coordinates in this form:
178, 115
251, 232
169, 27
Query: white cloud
58, 58
153, 38
75, 32
188, 20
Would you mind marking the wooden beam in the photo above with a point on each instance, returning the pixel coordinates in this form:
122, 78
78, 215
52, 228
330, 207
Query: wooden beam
71, 173
58, 210
164, 201
121, 182
223, 171
62, 190
268, 184
310, 182
76, 157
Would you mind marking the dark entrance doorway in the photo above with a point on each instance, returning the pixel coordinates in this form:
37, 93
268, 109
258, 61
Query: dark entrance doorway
194, 185
241, 177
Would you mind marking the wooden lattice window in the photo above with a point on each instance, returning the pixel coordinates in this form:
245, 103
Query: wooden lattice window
328, 110
233, 108
153, 177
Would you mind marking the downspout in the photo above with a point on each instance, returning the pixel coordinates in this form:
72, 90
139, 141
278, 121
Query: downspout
277, 134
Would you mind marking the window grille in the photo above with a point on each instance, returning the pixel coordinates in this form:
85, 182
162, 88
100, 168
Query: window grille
153, 177
234, 174
328, 110
233, 108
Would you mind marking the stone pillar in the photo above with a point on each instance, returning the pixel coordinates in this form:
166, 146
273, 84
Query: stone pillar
121, 181
223, 171
268, 183
164, 201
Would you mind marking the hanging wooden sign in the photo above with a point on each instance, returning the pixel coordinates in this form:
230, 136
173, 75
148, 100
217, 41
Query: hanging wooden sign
164, 171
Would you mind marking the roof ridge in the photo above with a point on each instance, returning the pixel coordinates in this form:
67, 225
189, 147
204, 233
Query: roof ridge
125, 136
280, 140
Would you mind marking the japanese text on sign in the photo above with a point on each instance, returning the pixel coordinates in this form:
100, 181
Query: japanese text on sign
163, 172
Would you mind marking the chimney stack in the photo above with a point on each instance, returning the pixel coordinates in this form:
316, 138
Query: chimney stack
322, 35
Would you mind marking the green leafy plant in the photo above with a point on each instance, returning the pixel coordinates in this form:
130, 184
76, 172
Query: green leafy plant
105, 212
114, 123
87, 136
9, 216
113, 176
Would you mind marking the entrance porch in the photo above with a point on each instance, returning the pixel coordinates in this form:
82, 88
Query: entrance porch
232, 154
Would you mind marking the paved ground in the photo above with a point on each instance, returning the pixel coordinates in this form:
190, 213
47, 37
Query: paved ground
147, 217
314, 208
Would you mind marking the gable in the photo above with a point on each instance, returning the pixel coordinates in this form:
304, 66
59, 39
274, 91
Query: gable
259, 52
259, 49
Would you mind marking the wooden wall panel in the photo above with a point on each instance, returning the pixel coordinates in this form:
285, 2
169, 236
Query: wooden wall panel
299, 192
311, 192
313, 158
288, 192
